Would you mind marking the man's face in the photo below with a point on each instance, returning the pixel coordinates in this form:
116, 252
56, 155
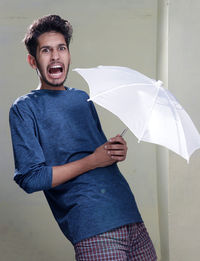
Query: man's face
52, 60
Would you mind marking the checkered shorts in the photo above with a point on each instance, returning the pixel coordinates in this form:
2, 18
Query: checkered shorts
130, 242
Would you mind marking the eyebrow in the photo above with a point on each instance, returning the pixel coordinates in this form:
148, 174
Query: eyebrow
48, 46
45, 46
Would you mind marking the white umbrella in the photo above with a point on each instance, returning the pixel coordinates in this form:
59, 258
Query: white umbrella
151, 112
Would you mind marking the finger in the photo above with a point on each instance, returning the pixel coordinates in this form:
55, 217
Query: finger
115, 147
118, 158
116, 152
113, 159
117, 139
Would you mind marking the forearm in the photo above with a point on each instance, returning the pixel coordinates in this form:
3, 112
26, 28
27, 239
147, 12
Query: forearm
71, 170
105, 155
45, 177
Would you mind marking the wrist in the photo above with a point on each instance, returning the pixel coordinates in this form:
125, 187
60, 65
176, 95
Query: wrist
91, 160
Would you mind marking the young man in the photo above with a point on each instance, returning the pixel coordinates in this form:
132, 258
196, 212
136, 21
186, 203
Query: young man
60, 148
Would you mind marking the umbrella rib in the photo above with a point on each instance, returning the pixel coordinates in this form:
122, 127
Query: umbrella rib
119, 87
178, 127
145, 125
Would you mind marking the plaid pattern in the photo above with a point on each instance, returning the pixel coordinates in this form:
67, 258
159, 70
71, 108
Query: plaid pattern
130, 242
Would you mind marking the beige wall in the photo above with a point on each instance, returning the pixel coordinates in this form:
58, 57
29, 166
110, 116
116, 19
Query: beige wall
111, 32
178, 182
184, 180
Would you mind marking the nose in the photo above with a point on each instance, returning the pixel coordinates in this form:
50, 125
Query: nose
55, 55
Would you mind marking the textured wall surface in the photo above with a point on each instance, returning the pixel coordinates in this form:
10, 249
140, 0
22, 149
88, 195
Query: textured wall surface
105, 32
178, 182
184, 179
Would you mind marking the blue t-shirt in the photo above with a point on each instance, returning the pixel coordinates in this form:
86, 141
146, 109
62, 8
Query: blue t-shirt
52, 128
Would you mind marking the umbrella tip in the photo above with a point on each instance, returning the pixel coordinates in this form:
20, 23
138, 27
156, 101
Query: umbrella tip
159, 83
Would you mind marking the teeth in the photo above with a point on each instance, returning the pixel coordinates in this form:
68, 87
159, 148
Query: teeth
56, 66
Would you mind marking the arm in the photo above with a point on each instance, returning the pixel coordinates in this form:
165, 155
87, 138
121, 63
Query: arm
112, 151
31, 171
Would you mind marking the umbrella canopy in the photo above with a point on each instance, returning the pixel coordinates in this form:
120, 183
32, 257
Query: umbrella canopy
151, 112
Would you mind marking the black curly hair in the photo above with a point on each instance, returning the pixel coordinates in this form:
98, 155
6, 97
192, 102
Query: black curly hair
46, 24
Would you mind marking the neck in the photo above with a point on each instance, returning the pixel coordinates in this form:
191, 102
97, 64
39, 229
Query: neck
44, 86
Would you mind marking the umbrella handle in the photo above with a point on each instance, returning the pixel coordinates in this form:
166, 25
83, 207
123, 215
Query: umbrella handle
123, 132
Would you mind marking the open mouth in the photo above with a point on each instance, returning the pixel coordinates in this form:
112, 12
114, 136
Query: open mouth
55, 71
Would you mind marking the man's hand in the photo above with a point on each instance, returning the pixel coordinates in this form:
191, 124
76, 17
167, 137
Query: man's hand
112, 151
117, 148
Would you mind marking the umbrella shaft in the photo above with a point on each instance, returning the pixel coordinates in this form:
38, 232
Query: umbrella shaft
123, 132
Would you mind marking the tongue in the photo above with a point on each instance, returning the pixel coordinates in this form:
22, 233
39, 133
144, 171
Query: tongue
55, 70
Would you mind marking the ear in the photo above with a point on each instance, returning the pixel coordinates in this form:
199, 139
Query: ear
31, 60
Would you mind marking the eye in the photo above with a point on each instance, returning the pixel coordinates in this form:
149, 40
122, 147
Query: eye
45, 50
62, 48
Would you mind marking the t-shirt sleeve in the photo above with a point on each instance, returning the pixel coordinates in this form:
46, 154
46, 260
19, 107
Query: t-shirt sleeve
31, 172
